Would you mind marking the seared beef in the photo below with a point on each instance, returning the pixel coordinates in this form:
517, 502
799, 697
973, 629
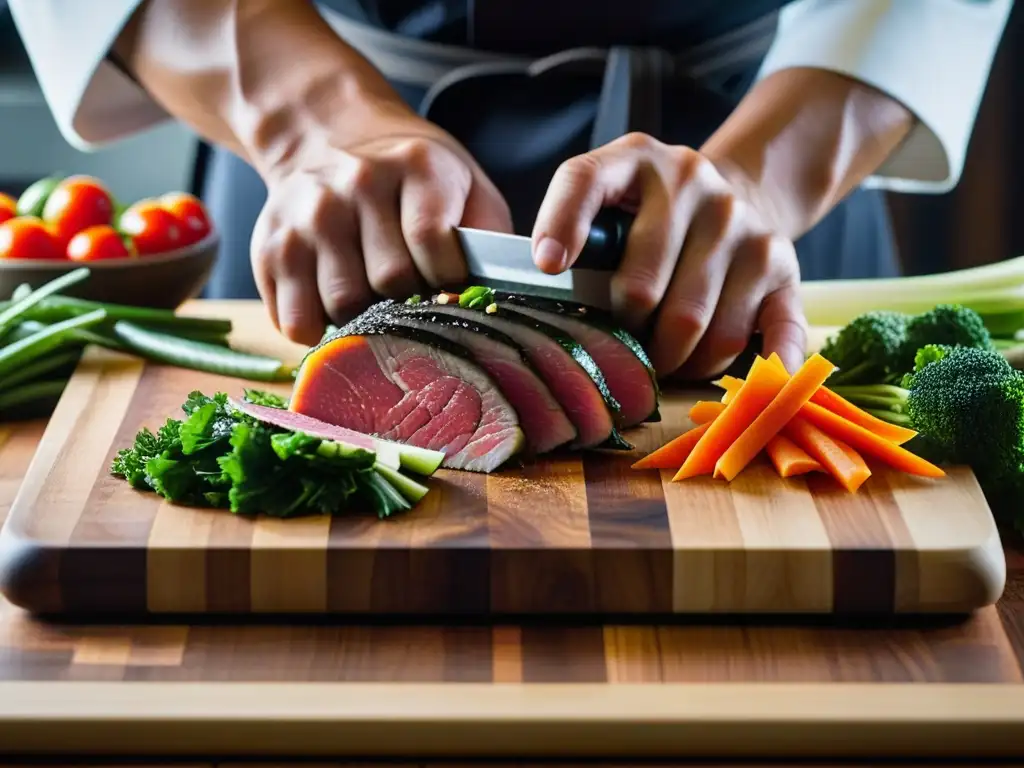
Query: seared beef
617, 353
570, 373
543, 421
410, 386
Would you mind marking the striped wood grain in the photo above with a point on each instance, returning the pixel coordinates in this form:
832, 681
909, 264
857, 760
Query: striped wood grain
567, 534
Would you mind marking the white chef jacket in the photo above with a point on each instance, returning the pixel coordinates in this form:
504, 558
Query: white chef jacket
933, 56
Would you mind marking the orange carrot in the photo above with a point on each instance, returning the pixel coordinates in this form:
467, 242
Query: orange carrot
762, 384
704, 411
840, 406
769, 422
790, 459
844, 464
673, 453
865, 441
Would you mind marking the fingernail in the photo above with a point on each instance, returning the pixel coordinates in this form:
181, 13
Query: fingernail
550, 255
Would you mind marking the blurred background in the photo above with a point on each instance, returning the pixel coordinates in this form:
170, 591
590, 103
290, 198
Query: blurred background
977, 223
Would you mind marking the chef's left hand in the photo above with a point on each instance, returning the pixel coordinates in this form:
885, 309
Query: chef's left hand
700, 261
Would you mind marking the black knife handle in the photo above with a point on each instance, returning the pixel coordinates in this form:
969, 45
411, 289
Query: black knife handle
606, 242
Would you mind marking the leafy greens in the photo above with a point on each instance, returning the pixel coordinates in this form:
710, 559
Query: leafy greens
217, 456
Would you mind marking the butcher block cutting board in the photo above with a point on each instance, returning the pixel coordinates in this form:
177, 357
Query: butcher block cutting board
570, 534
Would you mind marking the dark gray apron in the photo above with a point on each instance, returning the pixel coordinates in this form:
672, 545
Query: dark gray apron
521, 113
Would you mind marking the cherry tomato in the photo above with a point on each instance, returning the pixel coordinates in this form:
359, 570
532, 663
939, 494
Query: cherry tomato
26, 237
190, 211
8, 207
99, 243
75, 204
151, 228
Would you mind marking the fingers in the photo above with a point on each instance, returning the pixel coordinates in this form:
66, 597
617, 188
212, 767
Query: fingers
578, 190
760, 265
784, 327
298, 311
341, 277
695, 289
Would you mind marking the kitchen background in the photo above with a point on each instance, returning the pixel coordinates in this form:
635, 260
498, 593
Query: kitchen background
979, 222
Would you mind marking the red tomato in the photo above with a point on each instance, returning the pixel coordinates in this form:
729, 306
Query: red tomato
151, 228
26, 237
75, 204
99, 243
190, 211
8, 207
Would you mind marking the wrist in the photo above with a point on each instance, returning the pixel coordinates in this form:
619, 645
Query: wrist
298, 83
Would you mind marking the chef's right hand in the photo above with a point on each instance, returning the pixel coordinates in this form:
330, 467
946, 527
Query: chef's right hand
369, 212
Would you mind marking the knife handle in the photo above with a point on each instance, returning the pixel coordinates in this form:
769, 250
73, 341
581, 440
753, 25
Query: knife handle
606, 242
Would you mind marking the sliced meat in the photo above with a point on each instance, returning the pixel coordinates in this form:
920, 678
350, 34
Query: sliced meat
570, 373
617, 353
542, 419
410, 386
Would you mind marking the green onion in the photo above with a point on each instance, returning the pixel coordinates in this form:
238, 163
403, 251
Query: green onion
56, 308
50, 338
17, 308
27, 393
476, 296
40, 367
199, 356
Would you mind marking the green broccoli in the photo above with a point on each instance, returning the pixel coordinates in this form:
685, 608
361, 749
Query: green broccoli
969, 404
949, 325
867, 350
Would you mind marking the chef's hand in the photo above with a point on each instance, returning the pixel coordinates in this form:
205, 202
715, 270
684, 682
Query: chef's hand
699, 260
369, 212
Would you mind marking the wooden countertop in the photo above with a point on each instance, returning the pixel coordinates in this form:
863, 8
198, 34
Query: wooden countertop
937, 688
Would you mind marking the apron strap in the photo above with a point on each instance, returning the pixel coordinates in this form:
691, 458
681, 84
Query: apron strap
423, 62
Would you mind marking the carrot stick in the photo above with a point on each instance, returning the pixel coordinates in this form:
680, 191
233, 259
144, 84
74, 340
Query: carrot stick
790, 459
704, 411
843, 463
769, 422
673, 453
865, 441
840, 406
762, 384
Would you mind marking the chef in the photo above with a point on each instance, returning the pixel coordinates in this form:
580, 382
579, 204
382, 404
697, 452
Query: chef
752, 139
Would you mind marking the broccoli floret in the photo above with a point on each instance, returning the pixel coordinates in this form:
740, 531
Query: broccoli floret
867, 350
946, 325
968, 403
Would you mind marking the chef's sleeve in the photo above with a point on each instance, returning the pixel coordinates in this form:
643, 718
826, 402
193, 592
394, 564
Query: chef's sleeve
68, 42
933, 56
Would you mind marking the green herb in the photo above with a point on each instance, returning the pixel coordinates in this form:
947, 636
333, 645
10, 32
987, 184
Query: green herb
268, 399
476, 296
219, 457
414, 299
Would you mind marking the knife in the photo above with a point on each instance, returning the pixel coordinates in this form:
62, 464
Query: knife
505, 262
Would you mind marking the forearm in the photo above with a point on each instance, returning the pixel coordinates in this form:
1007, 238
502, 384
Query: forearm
251, 75
802, 139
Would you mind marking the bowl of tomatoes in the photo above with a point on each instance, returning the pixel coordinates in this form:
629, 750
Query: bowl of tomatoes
156, 252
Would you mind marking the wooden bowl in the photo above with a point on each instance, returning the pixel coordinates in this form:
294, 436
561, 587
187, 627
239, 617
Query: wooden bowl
163, 281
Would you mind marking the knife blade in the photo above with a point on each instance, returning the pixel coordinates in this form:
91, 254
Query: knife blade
505, 262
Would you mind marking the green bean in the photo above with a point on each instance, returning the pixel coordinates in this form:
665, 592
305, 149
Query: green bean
44, 341
199, 356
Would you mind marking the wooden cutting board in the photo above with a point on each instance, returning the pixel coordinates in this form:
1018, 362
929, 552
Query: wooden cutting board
573, 534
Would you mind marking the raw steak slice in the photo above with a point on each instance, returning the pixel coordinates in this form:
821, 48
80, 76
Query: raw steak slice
541, 417
617, 353
410, 386
570, 373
